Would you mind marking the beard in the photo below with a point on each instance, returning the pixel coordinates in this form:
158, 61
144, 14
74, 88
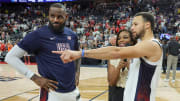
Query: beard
57, 29
140, 34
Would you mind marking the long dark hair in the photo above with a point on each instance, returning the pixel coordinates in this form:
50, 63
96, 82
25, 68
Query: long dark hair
133, 42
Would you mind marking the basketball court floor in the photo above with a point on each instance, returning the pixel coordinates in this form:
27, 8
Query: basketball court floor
93, 85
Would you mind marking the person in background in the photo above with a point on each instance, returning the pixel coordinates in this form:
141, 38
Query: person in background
172, 58
112, 40
164, 64
10, 46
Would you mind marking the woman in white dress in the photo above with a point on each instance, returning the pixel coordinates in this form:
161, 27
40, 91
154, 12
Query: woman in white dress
118, 68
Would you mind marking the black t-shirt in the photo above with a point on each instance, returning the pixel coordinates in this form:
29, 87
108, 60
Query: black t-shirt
173, 48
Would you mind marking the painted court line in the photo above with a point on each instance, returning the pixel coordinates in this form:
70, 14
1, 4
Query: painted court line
98, 95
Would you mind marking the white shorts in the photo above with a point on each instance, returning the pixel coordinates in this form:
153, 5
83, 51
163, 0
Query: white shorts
70, 96
26, 54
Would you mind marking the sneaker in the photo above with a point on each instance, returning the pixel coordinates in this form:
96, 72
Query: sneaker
173, 81
166, 80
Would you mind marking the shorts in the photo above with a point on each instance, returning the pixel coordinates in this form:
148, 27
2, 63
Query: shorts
116, 93
58, 96
26, 54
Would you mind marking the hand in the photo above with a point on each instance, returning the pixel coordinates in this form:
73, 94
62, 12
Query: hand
44, 83
68, 55
121, 64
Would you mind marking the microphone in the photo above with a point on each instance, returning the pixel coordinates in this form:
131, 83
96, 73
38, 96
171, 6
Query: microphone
125, 60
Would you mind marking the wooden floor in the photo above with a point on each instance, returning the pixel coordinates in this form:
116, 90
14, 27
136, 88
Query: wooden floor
93, 85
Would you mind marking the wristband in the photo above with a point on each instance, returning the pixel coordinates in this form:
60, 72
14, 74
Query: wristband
82, 54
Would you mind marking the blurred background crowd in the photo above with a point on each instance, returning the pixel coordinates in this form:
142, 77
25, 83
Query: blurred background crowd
94, 21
